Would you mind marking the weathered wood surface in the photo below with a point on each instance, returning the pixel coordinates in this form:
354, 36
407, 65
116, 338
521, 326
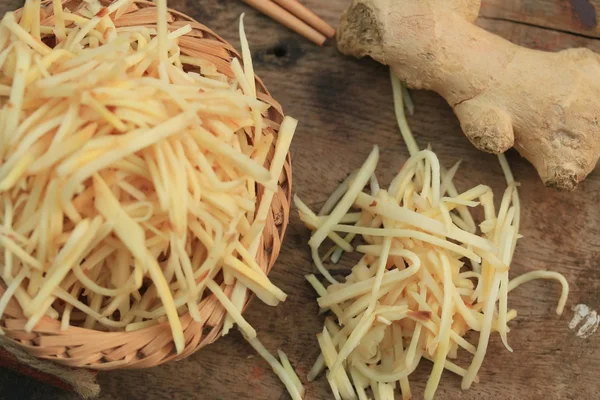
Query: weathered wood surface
344, 107
575, 16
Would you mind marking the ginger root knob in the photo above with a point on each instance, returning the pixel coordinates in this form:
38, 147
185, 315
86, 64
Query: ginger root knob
546, 105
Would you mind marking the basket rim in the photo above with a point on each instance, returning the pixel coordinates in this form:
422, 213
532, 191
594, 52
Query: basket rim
47, 341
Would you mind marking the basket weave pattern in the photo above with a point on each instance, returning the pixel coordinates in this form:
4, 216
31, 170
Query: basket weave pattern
79, 347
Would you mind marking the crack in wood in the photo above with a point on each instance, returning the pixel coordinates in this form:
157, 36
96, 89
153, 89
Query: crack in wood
568, 32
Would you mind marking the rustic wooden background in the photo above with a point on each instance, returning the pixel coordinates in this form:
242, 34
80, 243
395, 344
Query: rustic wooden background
344, 107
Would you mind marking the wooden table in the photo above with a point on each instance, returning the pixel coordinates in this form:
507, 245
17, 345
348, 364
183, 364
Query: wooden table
344, 107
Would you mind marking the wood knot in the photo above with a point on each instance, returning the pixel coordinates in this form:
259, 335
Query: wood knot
586, 13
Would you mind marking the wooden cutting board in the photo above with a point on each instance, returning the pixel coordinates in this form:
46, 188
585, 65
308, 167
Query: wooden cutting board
344, 107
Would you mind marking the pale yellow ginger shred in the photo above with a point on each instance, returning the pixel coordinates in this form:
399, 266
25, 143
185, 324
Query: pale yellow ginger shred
426, 276
141, 191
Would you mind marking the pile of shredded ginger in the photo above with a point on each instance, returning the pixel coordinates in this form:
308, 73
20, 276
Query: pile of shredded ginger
130, 175
427, 276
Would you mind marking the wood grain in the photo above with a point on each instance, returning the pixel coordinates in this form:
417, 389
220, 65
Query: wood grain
344, 107
575, 16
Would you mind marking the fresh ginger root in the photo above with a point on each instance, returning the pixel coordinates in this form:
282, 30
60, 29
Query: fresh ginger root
546, 105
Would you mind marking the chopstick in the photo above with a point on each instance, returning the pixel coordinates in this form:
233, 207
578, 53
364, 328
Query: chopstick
300, 11
292, 17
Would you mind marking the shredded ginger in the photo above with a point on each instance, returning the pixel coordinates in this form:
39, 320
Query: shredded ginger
427, 275
134, 178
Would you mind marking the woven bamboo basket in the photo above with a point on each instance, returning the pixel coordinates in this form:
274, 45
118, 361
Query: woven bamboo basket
79, 347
